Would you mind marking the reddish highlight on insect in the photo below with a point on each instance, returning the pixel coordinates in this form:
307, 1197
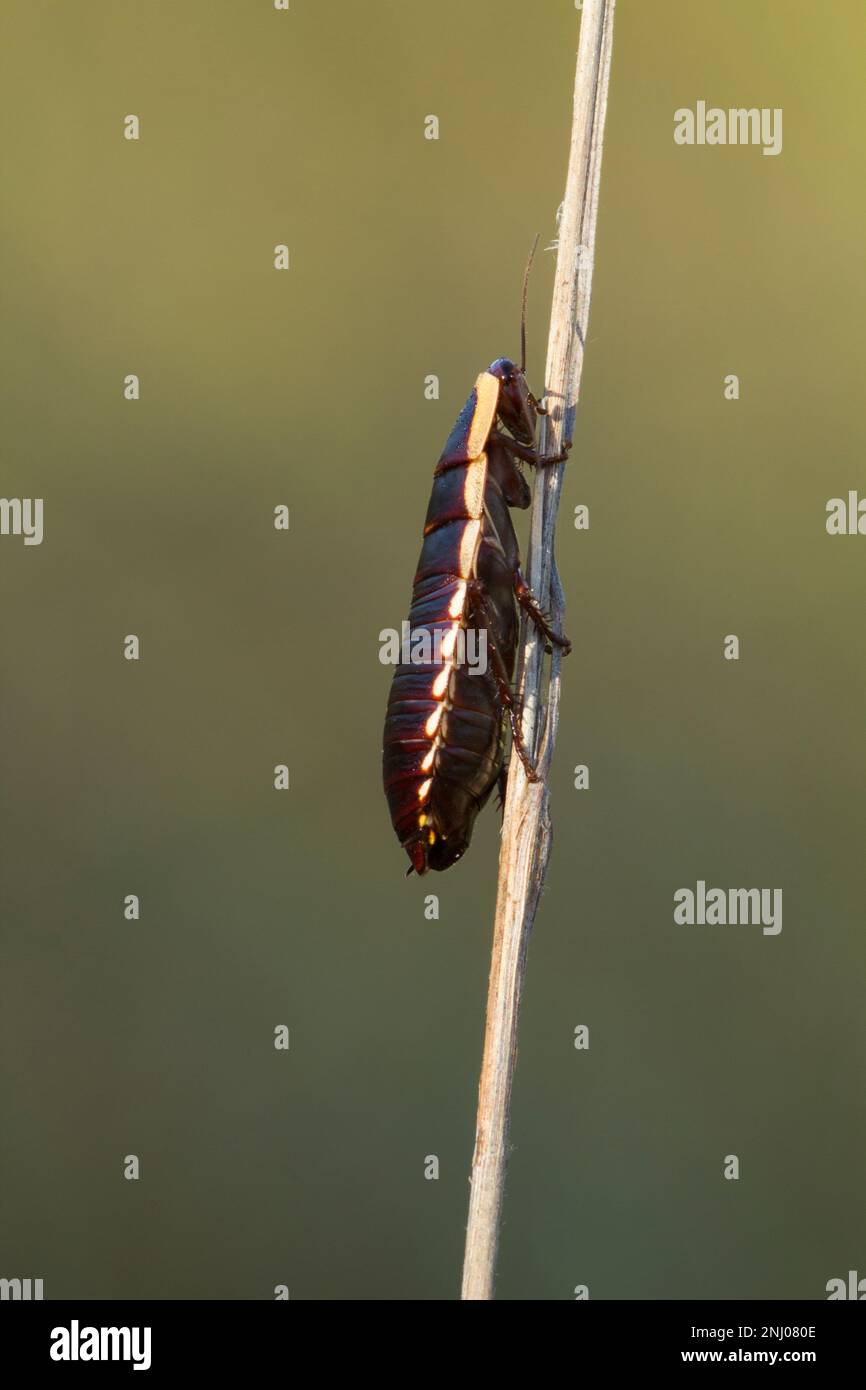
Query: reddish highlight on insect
444, 737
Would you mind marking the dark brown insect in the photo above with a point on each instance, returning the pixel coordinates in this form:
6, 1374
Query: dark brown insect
444, 728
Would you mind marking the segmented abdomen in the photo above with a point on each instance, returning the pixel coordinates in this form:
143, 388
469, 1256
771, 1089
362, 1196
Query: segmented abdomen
442, 746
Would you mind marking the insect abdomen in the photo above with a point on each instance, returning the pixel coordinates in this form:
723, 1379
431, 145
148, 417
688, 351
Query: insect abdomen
442, 742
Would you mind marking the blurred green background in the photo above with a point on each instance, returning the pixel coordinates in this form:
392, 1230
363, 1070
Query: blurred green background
306, 388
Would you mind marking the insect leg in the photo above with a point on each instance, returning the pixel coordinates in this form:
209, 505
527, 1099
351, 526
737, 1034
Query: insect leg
532, 455
531, 607
500, 676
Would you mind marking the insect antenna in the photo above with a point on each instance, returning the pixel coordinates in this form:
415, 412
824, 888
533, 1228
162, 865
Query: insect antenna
523, 306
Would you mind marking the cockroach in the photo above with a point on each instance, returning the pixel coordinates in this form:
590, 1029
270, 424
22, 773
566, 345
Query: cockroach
444, 738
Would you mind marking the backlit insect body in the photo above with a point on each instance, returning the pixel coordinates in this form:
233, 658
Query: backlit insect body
444, 736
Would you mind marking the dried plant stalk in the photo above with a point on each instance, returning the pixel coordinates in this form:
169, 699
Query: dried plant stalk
526, 824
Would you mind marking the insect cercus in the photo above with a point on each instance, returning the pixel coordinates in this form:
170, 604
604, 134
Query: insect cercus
444, 744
